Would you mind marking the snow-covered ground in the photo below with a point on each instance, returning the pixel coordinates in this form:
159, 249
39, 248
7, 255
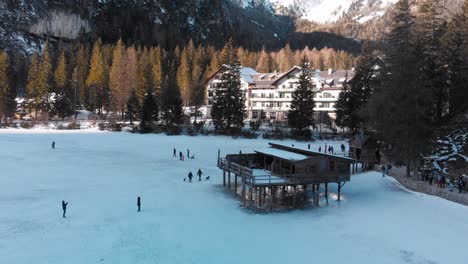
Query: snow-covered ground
101, 174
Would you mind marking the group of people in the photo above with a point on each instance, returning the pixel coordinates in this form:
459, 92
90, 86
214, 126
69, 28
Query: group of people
199, 174
442, 181
181, 155
386, 170
330, 150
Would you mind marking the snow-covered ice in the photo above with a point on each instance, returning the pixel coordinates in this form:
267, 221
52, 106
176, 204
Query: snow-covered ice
101, 174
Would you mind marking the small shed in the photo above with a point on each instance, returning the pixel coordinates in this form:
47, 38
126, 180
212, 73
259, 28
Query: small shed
364, 149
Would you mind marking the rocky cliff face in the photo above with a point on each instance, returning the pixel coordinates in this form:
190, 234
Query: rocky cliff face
60, 24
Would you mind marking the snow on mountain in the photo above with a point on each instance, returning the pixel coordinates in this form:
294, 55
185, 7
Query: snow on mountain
323, 11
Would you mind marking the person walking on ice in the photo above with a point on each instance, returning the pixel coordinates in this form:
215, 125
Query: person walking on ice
53, 144
139, 203
190, 176
188, 153
64, 208
199, 173
175, 153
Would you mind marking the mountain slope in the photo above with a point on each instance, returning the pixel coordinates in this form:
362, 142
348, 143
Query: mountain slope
25, 24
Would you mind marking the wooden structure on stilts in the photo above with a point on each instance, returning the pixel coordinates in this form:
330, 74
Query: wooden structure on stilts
283, 177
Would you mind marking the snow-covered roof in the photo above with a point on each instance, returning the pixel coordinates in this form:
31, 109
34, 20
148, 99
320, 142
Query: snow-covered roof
287, 155
247, 74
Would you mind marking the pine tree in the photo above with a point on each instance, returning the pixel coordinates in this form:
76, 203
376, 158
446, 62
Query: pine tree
81, 65
455, 49
184, 75
229, 104
60, 74
44, 79
133, 107
157, 58
145, 79
63, 106
31, 88
301, 114
149, 112
7, 94
118, 77
97, 80
400, 109
356, 93
429, 29
171, 100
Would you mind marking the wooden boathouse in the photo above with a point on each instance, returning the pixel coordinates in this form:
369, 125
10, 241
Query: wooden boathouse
281, 176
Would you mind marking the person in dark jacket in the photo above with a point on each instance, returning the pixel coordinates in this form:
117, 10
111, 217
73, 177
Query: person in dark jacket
199, 173
181, 155
188, 153
53, 144
139, 203
190, 176
343, 148
175, 153
64, 208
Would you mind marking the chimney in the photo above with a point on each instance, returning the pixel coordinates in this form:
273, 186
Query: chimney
330, 71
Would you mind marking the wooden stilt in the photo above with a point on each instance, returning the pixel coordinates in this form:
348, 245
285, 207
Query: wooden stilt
317, 195
250, 196
326, 190
294, 196
339, 191
224, 178
229, 180
235, 183
305, 192
272, 199
243, 195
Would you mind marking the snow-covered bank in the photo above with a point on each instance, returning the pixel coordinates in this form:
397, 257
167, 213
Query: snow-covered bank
101, 174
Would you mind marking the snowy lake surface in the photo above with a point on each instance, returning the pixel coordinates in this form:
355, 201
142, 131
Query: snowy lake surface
101, 174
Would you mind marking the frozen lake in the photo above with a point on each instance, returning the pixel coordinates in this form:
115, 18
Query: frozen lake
101, 174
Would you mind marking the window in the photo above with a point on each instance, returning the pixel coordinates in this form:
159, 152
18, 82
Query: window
326, 105
254, 115
284, 86
210, 94
290, 85
327, 95
270, 95
331, 165
263, 95
278, 104
270, 104
263, 104
281, 95
254, 104
254, 95
272, 115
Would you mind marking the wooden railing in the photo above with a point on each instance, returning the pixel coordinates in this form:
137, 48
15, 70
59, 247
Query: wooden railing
271, 179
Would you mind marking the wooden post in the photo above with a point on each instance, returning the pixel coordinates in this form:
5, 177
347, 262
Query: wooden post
305, 192
229, 180
224, 178
257, 197
317, 195
250, 196
235, 183
243, 195
326, 190
294, 196
339, 191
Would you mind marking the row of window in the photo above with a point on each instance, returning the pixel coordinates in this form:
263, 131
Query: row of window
278, 104
269, 104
